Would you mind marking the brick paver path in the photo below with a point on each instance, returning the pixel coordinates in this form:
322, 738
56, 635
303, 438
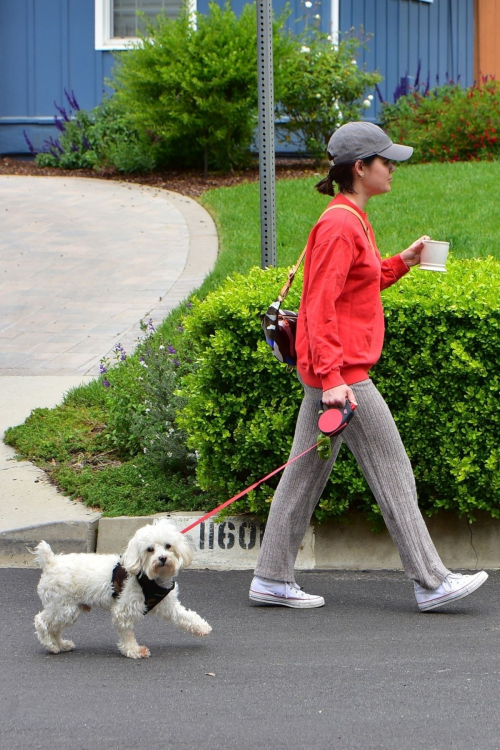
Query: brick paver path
82, 261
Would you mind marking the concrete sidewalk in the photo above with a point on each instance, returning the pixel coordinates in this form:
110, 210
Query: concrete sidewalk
82, 261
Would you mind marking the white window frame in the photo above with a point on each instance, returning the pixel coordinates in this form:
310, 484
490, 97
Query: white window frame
102, 27
335, 21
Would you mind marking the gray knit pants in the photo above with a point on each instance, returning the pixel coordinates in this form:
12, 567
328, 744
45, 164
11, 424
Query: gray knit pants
374, 440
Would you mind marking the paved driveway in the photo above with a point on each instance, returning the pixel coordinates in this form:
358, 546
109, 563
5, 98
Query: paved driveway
82, 261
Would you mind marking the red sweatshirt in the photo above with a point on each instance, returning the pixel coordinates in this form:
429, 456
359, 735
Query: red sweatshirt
340, 330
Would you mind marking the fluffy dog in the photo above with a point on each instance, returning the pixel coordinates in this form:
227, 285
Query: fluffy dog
139, 581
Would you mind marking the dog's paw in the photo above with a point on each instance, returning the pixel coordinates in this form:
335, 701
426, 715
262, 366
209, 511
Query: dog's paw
66, 645
203, 629
53, 648
139, 652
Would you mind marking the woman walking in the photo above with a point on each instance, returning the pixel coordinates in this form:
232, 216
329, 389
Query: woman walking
340, 335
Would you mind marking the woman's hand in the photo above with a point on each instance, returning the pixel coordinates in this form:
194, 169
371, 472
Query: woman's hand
411, 255
338, 396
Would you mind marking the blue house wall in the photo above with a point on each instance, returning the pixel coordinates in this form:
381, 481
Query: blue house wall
439, 35
47, 46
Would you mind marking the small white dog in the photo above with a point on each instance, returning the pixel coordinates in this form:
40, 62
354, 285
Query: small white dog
139, 581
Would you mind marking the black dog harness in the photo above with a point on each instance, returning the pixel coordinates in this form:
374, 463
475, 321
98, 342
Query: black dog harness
153, 593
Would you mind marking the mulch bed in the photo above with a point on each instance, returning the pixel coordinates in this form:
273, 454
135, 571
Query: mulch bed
187, 183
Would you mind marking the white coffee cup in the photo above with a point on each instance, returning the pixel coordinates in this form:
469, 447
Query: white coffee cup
433, 255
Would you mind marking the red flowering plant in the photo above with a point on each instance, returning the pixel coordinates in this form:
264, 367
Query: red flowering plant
447, 123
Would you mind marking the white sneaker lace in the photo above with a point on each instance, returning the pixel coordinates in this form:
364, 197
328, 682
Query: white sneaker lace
456, 576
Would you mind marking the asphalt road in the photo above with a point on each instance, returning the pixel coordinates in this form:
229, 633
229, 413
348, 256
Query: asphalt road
365, 671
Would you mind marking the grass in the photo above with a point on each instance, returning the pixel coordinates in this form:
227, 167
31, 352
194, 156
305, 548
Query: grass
447, 201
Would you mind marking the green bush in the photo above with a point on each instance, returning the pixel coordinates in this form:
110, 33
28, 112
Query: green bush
102, 138
448, 123
140, 401
322, 88
438, 372
193, 88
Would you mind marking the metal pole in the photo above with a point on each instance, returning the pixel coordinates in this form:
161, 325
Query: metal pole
266, 132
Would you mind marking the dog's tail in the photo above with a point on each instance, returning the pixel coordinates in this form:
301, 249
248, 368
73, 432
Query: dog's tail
43, 555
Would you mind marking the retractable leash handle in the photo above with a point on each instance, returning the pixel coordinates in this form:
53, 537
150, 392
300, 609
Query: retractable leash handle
333, 420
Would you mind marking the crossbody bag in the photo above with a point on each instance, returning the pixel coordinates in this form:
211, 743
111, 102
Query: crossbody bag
280, 326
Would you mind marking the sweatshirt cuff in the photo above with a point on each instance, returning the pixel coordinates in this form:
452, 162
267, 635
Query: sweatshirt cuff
399, 267
332, 380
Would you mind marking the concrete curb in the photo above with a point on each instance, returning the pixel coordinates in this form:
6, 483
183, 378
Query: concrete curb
234, 544
63, 536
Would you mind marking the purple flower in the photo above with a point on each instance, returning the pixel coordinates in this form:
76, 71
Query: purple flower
85, 142
121, 351
189, 305
53, 146
417, 77
379, 93
106, 383
180, 328
72, 99
102, 368
428, 83
59, 124
176, 362
171, 349
62, 112
30, 145
151, 326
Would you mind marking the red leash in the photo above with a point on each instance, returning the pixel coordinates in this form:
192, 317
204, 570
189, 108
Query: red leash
248, 489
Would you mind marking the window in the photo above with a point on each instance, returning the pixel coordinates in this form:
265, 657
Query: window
116, 22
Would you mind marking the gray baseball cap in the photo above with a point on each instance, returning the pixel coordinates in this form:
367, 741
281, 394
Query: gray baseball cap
359, 140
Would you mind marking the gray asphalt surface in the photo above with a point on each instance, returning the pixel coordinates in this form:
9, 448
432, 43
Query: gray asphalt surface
365, 671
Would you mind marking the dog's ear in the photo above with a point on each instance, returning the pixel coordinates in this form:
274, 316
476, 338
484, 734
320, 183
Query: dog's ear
186, 551
132, 557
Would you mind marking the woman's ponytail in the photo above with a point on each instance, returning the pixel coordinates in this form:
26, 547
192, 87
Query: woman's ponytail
325, 186
343, 175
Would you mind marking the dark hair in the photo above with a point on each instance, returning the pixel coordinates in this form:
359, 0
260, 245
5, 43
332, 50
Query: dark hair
342, 175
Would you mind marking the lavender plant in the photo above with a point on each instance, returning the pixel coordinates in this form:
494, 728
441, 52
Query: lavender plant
142, 403
101, 138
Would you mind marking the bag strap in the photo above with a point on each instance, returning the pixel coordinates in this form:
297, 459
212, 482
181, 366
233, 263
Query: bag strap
353, 211
291, 274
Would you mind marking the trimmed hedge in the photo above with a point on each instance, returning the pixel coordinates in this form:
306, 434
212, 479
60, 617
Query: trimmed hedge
439, 373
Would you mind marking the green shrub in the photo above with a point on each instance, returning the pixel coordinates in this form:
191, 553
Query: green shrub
322, 88
133, 488
102, 138
448, 123
439, 374
193, 89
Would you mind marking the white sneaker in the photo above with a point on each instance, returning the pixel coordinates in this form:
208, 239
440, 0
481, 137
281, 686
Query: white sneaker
285, 594
455, 586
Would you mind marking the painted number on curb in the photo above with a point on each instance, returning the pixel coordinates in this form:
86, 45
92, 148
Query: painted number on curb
224, 535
